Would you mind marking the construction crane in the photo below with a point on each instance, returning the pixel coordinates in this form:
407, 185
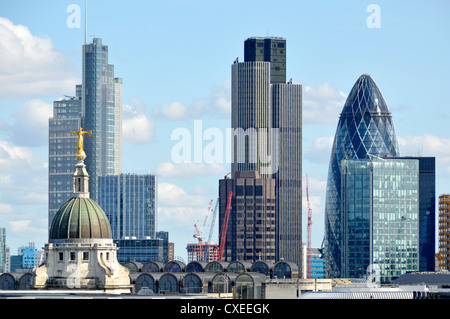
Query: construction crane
199, 234
211, 230
223, 234
308, 251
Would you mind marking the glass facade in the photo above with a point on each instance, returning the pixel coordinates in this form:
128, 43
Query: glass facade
28, 257
142, 250
365, 130
96, 106
427, 212
102, 98
380, 210
2, 250
130, 203
67, 116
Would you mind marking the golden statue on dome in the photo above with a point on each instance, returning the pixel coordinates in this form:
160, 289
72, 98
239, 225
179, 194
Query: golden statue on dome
81, 155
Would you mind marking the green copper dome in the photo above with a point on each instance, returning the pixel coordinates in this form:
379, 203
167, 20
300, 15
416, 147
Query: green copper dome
80, 218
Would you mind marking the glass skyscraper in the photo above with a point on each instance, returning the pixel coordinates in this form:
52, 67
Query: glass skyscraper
380, 217
67, 116
96, 106
102, 108
266, 123
129, 201
3, 250
365, 131
427, 211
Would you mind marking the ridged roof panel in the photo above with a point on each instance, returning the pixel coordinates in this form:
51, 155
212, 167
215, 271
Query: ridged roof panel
80, 218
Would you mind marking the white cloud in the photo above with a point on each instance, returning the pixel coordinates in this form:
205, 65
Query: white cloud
23, 174
136, 126
179, 210
317, 189
30, 65
425, 145
30, 124
172, 111
178, 217
175, 196
23, 194
320, 151
220, 99
23, 231
6, 209
216, 103
428, 145
20, 225
322, 103
189, 170
138, 129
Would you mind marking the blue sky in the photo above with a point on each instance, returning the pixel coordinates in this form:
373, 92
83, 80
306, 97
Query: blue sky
175, 60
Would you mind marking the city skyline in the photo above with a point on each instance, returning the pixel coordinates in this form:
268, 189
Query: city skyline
176, 70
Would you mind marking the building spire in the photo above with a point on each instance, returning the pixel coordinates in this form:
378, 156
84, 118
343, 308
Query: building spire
85, 21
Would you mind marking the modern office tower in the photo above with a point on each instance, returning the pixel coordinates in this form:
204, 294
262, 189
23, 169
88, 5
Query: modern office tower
427, 211
29, 256
266, 123
365, 130
444, 232
286, 104
67, 117
379, 217
251, 225
129, 201
271, 50
251, 115
96, 106
117, 127
3, 267
100, 113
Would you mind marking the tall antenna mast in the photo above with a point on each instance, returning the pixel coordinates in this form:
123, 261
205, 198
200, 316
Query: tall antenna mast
85, 21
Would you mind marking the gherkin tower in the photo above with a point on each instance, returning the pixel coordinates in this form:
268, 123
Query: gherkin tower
365, 130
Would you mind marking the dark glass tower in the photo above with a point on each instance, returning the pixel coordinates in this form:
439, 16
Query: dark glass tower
365, 130
267, 135
427, 211
271, 50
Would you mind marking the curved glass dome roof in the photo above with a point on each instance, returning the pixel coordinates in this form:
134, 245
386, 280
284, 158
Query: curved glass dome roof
80, 218
365, 130
365, 126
